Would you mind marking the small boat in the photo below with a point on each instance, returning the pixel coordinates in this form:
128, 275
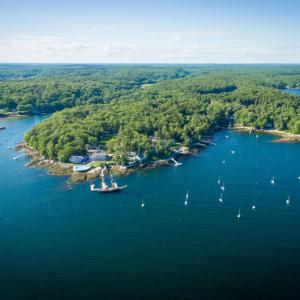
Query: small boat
232, 152
273, 180
113, 187
223, 187
257, 136
253, 207
17, 157
239, 214
299, 177
224, 161
2, 128
186, 198
142, 204
287, 201
227, 136
219, 180
221, 198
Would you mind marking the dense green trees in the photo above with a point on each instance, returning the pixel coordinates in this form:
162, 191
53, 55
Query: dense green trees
120, 108
46, 88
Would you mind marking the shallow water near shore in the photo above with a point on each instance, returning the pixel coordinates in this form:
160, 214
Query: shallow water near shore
59, 241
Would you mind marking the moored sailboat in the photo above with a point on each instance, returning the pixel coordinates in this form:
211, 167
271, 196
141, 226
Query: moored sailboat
105, 188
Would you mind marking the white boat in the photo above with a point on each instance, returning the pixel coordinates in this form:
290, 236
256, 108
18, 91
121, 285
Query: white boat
273, 180
17, 157
239, 214
106, 188
219, 180
287, 201
223, 187
221, 198
253, 207
232, 152
186, 198
142, 204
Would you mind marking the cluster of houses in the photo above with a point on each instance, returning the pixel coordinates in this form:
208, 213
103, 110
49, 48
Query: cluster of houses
93, 154
97, 154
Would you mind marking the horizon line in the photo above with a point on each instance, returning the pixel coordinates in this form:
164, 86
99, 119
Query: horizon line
150, 63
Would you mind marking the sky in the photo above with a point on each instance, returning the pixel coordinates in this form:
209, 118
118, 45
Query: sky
153, 31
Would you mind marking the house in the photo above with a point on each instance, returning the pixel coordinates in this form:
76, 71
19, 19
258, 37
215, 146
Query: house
131, 156
79, 159
134, 157
98, 155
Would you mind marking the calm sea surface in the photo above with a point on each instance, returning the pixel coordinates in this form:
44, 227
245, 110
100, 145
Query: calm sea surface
62, 243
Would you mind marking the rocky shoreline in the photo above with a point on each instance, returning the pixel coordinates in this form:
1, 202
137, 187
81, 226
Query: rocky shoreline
66, 169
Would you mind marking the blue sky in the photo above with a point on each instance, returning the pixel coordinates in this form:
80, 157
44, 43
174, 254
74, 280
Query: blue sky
129, 31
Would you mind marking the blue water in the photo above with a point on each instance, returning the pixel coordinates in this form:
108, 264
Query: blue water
62, 243
292, 91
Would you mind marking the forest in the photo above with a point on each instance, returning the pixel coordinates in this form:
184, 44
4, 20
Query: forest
147, 109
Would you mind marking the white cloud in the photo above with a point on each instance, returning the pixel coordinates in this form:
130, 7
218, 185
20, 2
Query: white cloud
32, 48
46, 43
41, 46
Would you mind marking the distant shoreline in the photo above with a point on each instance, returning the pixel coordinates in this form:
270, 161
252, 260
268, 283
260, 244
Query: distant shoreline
13, 116
283, 136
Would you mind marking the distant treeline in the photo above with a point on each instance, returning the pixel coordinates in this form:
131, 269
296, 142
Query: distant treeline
49, 88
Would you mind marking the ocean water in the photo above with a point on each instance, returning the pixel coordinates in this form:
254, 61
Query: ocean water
62, 242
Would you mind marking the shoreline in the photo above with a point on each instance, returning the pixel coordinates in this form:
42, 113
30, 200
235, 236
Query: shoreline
66, 169
282, 136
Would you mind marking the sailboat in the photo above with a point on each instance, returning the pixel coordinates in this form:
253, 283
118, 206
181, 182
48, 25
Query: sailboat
113, 187
223, 187
273, 180
239, 214
221, 198
287, 201
186, 198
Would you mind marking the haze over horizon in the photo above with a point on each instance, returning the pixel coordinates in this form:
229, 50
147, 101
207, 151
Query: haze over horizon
142, 32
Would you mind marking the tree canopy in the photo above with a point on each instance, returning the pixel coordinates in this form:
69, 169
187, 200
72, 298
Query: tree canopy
180, 106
